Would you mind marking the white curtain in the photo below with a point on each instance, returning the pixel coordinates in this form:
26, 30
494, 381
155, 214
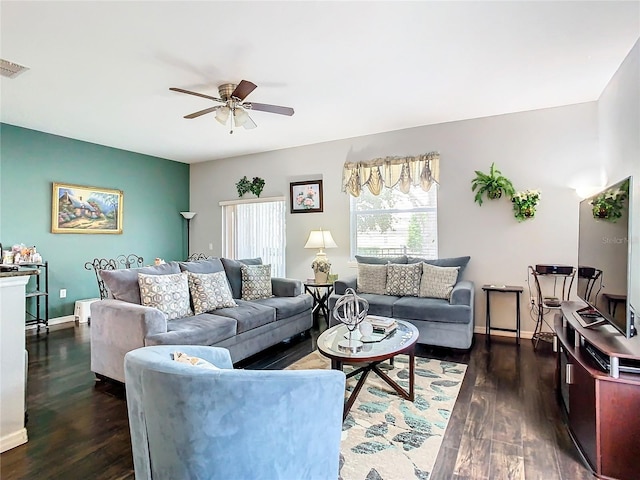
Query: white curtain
391, 172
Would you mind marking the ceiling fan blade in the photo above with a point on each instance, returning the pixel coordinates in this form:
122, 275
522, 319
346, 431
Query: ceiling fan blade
201, 112
249, 124
264, 107
174, 89
243, 89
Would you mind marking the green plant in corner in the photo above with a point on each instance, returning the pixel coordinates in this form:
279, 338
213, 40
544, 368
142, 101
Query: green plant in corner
493, 184
257, 185
609, 204
525, 203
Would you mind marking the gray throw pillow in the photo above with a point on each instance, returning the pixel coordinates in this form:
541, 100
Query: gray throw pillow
443, 262
232, 269
438, 282
404, 280
210, 265
381, 260
256, 282
210, 291
372, 278
123, 283
167, 293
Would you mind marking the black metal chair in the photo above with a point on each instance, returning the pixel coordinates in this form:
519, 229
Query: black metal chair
121, 261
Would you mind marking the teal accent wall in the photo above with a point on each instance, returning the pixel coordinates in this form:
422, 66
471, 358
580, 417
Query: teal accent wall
155, 191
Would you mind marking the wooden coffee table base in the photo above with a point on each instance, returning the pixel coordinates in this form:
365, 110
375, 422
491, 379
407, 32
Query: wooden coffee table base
337, 365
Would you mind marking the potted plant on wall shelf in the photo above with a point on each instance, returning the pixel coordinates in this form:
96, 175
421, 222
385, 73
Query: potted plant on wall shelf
493, 184
525, 203
610, 203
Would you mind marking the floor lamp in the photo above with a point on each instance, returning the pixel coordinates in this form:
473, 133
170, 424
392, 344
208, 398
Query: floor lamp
188, 216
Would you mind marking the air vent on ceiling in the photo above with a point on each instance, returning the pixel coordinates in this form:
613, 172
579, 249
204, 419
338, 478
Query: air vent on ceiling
10, 69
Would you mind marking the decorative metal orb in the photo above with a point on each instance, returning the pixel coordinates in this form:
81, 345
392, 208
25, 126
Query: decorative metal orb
351, 310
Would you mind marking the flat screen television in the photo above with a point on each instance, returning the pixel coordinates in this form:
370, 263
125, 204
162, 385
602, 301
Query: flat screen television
604, 258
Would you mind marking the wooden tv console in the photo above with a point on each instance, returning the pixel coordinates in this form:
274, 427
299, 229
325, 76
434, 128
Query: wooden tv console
602, 407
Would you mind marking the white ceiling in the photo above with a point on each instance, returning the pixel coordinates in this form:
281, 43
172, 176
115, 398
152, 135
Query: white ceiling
101, 71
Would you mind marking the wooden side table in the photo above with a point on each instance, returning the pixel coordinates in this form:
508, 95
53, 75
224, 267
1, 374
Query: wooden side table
503, 289
320, 293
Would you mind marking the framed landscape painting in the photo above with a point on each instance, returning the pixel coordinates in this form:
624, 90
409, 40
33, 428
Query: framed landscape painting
79, 209
306, 196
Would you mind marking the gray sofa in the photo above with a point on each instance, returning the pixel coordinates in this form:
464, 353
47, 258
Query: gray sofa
121, 323
441, 322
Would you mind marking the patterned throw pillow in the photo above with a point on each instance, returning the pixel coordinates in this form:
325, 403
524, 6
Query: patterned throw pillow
167, 293
438, 282
403, 280
372, 278
256, 281
210, 291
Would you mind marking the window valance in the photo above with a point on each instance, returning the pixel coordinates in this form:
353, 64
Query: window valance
391, 172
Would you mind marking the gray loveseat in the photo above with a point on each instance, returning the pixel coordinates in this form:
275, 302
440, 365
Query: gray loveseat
121, 323
440, 321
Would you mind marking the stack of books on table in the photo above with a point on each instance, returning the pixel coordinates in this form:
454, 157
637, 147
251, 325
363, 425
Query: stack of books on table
382, 325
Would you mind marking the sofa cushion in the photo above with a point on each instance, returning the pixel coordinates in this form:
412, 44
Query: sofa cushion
381, 260
372, 278
437, 282
167, 293
403, 279
256, 281
288, 306
232, 268
443, 262
380, 304
432, 309
249, 315
210, 291
203, 329
123, 283
210, 265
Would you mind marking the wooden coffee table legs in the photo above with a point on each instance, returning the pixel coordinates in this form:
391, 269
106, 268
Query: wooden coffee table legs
373, 366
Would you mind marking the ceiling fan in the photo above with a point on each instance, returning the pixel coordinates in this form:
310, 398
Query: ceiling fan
232, 105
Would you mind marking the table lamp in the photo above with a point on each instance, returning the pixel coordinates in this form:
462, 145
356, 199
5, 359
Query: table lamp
321, 239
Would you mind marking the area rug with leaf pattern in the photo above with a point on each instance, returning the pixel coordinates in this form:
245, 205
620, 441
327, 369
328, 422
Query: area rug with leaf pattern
386, 437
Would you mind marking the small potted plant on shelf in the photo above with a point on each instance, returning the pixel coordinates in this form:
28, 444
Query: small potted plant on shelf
494, 184
525, 203
609, 204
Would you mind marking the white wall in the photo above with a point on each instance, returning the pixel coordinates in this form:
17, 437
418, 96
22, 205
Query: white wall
619, 120
551, 150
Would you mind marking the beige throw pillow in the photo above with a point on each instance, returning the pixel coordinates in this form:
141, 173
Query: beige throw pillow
372, 278
403, 280
438, 282
210, 291
256, 281
167, 293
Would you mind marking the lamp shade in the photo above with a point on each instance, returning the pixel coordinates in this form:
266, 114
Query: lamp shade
222, 114
320, 239
188, 215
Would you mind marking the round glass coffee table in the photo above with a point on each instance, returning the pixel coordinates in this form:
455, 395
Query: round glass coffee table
367, 359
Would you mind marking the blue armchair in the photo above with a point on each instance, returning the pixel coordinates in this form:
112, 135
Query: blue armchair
190, 422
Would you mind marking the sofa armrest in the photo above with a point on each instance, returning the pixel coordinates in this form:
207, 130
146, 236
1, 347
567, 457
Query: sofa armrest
462, 293
340, 286
124, 322
286, 287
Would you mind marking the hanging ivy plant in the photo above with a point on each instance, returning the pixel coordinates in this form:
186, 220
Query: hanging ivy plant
493, 184
525, 203
257, 185
243, 186
609, 205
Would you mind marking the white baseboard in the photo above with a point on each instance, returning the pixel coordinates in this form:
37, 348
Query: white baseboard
13, 440
499, 333
56, 321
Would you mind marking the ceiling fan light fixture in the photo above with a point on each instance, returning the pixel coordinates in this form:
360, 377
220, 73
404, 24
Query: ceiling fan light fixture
240, 116
222, 114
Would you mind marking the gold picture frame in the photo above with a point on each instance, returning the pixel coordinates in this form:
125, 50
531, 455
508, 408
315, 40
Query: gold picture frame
83, 209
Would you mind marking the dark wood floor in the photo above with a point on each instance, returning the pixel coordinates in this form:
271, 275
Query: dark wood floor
506, 423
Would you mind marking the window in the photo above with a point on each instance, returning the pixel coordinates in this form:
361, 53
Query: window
394, 223
255, 228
